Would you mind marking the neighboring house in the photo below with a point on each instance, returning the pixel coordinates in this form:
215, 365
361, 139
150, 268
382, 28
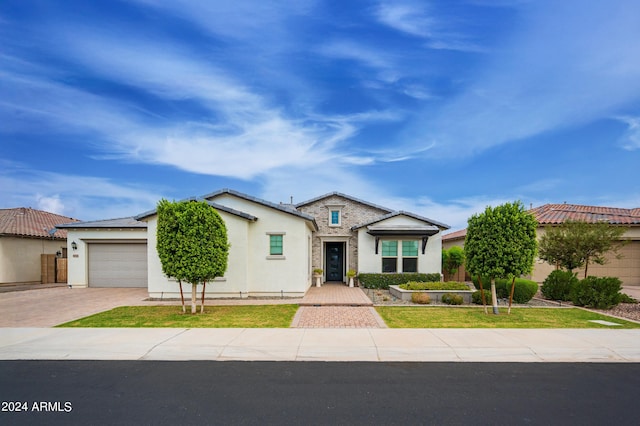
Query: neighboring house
25, 235
274, 247
627, 268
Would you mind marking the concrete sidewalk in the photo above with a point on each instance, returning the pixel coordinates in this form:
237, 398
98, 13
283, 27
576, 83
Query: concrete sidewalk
422, 345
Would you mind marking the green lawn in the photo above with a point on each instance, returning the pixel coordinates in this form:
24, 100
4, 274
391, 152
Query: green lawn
258, 316
435, 317
280, 316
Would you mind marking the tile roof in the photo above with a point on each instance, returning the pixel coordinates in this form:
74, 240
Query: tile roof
455, 235
216, 206
124, 222
282, 207
402, 213
348, 197
553, 214
28, 222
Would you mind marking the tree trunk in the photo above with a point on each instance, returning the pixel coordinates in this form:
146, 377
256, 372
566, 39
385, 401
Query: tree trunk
194, 288
204, 285
586, 268
513, 287
484, 301
184, 309
494, 297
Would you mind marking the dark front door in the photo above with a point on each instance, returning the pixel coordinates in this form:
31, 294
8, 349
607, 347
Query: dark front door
334, 258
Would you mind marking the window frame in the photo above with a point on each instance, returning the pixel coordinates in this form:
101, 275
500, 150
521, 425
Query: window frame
338, 210
400, 249
272, 236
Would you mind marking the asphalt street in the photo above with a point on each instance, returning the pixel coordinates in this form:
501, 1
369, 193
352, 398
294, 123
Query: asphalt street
310, 393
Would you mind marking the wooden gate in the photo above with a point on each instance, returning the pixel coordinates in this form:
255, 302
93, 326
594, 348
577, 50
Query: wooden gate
53, 269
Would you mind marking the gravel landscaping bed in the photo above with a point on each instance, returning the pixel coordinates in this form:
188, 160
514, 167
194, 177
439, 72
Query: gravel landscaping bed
624, 310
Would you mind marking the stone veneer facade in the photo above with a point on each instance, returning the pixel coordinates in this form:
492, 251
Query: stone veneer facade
352, 213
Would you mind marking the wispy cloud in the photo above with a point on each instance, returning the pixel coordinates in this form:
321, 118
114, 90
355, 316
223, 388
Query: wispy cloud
410, 18
416, 19
560, 69
242, 135
631, 138
84, 197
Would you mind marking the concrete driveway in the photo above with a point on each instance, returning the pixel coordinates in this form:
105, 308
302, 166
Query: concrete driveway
49, 307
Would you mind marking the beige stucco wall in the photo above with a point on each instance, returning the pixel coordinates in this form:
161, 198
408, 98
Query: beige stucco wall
251, 270
626, 268
78, 261
20, 258
370, 262
352, 213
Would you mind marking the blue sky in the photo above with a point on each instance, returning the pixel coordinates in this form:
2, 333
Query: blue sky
436, 107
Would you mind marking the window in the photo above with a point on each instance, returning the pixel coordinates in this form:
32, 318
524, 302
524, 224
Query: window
409, 256
408, 260
335, 218
335, 215
389, 256
275, 245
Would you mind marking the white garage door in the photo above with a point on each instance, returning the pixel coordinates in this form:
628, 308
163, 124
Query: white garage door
117, 265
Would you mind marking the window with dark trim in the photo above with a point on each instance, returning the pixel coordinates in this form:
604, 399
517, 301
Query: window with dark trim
408, 258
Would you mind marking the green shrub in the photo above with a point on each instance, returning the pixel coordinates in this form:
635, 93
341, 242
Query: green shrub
557, 286
452, 299
523, 292
596, 292
421, 298
486, 282
383, 281
476, 297
625, 298
438, 285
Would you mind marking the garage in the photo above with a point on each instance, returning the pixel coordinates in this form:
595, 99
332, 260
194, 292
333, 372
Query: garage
117, 264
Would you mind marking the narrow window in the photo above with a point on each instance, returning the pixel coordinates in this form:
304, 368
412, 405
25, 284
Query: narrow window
275, 245
409, 256
389, 256
334, 219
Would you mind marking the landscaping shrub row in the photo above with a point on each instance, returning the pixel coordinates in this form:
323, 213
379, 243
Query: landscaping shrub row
523, 292
437, 285
592, 292
383, 281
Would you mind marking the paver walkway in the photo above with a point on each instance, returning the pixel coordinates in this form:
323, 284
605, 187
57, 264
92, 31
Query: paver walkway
335, 305
337, 317
335, 294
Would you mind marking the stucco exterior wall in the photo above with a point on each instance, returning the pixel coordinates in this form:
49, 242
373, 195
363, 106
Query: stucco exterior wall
234, 282
352, 213
20, 258
78, 261
251, 270
370, 262
627, 268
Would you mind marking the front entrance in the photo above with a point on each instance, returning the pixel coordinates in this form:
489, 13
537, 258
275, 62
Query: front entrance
334, 261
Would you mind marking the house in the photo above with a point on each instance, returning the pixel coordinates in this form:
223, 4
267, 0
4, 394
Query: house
627, 268
274, 249
25, 235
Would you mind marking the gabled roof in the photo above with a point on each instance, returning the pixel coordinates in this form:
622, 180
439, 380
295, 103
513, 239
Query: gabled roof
281, 207
461, 234
402, 213
339, 194
216, 206
121, 223
28, 222
553, 214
